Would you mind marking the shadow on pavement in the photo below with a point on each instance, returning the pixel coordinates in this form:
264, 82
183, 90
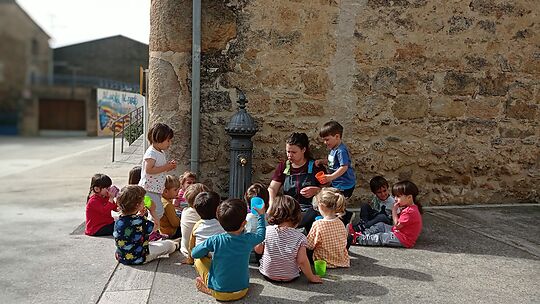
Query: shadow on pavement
441, 235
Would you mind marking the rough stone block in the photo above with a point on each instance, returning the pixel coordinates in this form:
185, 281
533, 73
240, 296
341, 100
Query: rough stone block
459, 24
309, 108
315, 83
170, 25
215, 101
493, 86
447, 107
521, 110
385, 80
410, 107
411, 52
165, 90
456, 83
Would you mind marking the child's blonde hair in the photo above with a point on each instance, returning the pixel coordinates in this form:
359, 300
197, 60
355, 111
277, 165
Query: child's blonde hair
331, 198
192, 191
186, 175
284, 209
129, 199
171, 181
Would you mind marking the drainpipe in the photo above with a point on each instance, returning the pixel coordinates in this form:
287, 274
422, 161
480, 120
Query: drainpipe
195, 86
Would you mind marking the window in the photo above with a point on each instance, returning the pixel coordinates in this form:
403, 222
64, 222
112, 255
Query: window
2, 72
35, 47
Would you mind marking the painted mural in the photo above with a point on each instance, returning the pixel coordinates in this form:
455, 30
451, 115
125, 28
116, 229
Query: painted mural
112, 105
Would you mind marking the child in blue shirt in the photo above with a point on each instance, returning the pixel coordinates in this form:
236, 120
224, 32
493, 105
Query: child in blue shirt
226, 276
339, 164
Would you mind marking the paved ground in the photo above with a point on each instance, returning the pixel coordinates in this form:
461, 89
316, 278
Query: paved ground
481, 255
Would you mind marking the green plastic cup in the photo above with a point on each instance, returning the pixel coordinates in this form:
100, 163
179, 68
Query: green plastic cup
147, 201
320, 268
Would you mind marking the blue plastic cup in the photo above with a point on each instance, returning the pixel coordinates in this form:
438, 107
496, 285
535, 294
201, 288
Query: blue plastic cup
256, 202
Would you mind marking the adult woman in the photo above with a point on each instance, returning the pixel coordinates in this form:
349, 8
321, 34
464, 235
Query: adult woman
297, 177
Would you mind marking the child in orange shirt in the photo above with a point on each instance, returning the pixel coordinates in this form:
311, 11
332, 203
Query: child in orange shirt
328, 237
170, 222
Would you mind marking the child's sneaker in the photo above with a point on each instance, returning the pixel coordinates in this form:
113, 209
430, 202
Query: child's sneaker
353, 233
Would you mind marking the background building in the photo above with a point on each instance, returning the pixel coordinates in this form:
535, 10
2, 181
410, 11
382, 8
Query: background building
44, 91
25, 57
102, 61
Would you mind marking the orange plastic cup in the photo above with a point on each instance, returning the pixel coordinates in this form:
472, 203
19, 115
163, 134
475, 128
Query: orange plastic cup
320, 177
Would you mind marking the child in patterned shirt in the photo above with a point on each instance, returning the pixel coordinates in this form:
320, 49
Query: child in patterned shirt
284, 248
154, 167
328, 237
131, 231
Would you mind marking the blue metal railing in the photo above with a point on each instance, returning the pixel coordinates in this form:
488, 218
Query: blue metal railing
86, 81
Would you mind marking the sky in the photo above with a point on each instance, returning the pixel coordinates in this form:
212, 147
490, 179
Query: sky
73, 21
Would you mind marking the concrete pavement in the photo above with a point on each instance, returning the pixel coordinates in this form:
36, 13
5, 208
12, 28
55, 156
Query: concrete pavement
481, 255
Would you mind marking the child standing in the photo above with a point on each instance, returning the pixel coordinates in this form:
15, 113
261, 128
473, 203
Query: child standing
380, 207
131, 231
154, 166
341, 175
226, 276
206, 204
170, 223
187, 179
99, 204
328, 237
408, 224
189, 218
284, 248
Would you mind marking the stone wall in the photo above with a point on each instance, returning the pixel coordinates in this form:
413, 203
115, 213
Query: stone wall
444, 94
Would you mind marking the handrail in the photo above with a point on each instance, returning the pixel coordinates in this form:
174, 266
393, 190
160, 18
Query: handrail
135, 118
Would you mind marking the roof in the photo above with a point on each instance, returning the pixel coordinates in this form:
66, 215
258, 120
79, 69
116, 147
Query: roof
26, 14
102, 39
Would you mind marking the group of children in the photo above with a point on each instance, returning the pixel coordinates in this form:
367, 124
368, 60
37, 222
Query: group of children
218, 237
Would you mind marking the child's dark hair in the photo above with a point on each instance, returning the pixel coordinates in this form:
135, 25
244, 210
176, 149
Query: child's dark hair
192, 191
377, 183
331, 128
407, 188
171, 181
302, 141
257, 189
99, 180
130, 198
331, 198
284, 209
231, 214
134, 175
159, 133
206, 204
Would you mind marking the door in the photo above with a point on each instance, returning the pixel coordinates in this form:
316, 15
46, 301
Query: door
69, 115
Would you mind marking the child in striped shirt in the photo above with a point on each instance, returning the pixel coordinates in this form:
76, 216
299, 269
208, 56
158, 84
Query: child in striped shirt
284, 248
328, 237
